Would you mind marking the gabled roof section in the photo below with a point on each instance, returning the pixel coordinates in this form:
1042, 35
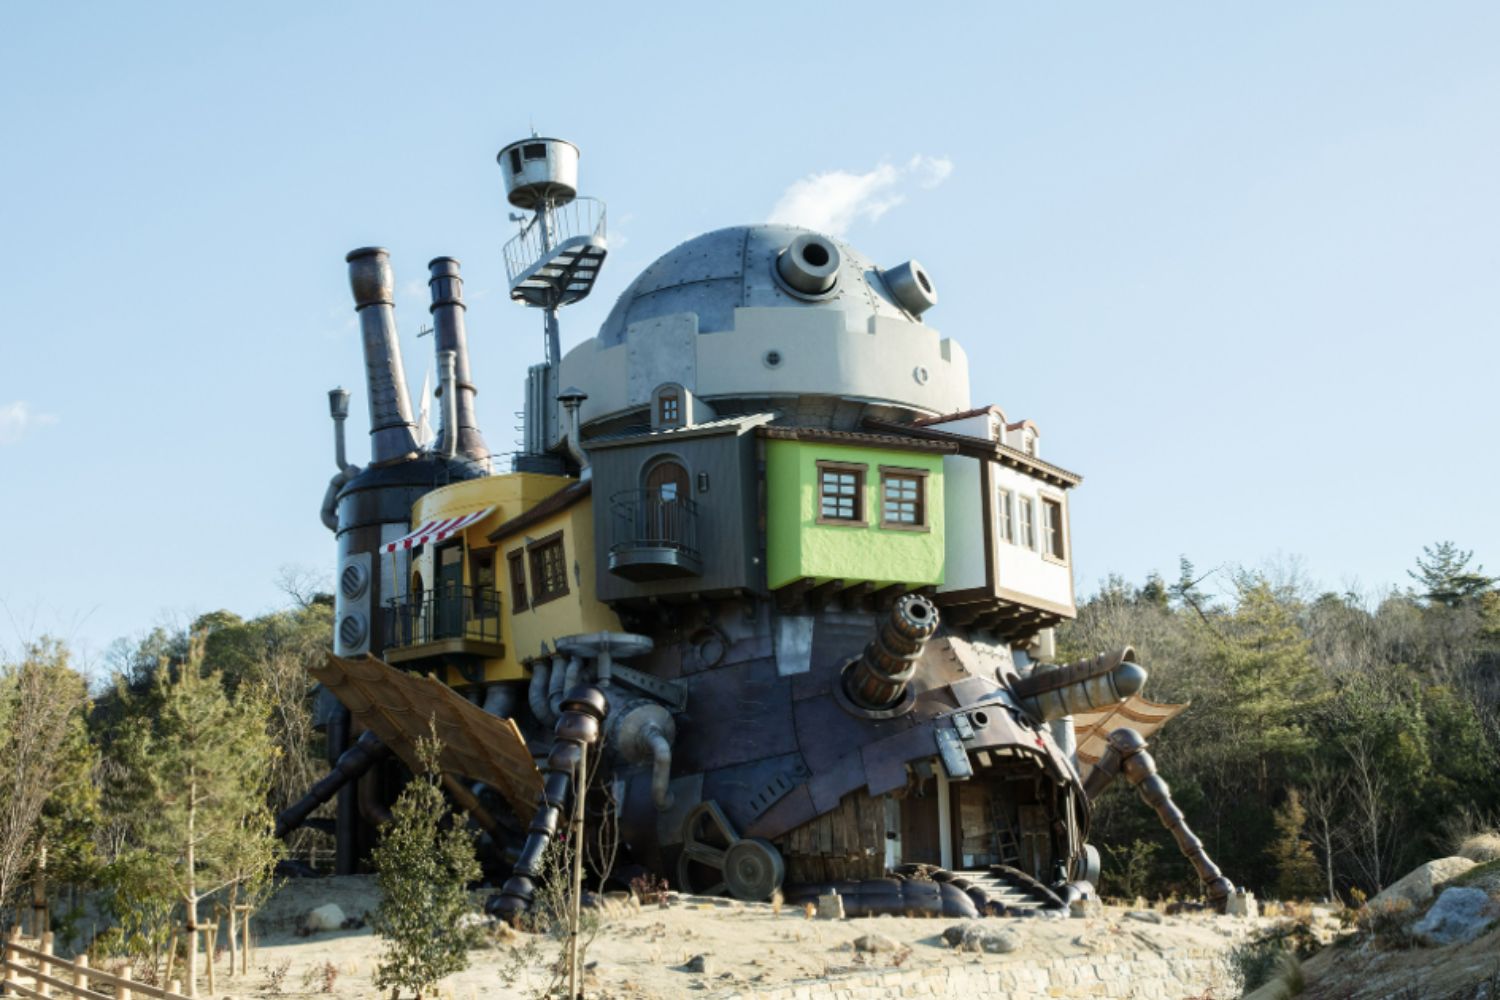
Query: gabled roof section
723, 425
944, 418
561, 500
894, 442
976, 448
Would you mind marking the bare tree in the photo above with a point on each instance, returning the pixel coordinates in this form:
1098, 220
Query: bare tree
1372, 829
1323, 799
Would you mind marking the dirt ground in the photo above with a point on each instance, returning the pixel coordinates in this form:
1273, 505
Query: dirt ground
643, 952
1359, 972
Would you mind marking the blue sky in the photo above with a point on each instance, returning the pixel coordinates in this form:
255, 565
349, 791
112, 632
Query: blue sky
1241, 263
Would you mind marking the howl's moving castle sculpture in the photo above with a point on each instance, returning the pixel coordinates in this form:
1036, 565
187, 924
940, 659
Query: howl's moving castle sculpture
759, 558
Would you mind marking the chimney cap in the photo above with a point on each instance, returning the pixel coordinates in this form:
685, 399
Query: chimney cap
572, 394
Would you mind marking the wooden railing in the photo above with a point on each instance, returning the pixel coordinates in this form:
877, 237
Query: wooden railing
52, 977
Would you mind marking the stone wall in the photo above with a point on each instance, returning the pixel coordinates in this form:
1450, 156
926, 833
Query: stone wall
1141, 977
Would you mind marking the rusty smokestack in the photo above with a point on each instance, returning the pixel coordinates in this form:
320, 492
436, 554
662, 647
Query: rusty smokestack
450, 334
392, 432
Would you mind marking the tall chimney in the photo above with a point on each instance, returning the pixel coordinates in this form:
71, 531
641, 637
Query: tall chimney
449, 334
392, 432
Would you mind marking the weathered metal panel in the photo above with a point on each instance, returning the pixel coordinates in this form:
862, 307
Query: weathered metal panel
746, 792
792, 811
735, 716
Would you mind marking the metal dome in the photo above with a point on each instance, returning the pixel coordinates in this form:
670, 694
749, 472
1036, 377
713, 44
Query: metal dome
715, 273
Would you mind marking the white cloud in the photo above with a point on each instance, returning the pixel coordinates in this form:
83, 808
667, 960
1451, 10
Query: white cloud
17, 418
834, 200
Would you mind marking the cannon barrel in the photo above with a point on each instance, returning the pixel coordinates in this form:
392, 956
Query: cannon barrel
1085, 686
878, 679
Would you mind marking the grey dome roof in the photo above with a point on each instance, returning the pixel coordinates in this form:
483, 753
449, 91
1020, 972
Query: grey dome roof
715, 273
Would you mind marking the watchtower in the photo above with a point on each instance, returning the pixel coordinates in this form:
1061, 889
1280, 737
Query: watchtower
552, 262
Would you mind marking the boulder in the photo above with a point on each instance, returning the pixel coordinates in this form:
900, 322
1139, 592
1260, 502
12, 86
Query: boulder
701, 963
1418, 885
1144, 916
1481, 848
876, 943
1459, 916
976, 936
328, 917
1241, 903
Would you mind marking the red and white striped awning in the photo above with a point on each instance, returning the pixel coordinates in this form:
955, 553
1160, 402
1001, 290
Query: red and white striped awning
436, 531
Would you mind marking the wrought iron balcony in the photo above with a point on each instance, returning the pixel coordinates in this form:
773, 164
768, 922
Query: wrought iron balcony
446, 621
654, 537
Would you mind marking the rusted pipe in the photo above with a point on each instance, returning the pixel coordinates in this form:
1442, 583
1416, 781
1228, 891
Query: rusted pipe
584, 709
1126, 752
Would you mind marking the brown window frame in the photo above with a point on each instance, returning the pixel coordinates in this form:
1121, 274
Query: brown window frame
919, 476
859, 471
1051, 502
674, 399
515, 562
535, 556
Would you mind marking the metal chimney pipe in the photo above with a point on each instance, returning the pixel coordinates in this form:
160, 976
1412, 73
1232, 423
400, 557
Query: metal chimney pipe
448, 440
450, 334
338, 409
392, 431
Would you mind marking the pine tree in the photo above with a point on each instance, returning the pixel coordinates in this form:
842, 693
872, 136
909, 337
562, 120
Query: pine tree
1446, 578
1297, 872
45, 760
196, 766
424, 872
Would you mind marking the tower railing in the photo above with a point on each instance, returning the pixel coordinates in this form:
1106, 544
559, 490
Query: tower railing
580, 219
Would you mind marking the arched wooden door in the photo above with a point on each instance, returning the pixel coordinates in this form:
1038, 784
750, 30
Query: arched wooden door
666, 495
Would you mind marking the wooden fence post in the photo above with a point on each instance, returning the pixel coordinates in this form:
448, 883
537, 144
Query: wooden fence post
123, 992
81, 971
10, 954
44, 967
210, 945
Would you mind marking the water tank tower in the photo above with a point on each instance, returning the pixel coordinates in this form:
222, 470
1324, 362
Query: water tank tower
552, 262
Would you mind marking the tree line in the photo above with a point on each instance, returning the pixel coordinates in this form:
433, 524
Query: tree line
1333, 741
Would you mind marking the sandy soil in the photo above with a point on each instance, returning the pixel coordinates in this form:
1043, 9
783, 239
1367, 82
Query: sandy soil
642, 952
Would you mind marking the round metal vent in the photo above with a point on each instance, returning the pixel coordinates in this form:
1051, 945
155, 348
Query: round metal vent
911, 287
353, 629
353, 581
810, 265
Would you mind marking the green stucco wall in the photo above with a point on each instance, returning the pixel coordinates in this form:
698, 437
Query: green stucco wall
798, 546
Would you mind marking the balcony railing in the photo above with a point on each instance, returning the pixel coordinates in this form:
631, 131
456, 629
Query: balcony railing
654, 537
560, 268
466, 614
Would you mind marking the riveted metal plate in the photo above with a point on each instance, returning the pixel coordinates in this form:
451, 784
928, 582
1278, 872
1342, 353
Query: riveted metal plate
955, 758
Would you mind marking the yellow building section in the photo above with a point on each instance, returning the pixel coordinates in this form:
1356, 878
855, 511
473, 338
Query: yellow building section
547, 571
482, 603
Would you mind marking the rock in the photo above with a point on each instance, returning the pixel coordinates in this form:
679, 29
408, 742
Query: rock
976, 936
1459, 916
700, 963
831, 906
328, 917
1418, 885
471, 921
1241, 903
1144, 916
876, 943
